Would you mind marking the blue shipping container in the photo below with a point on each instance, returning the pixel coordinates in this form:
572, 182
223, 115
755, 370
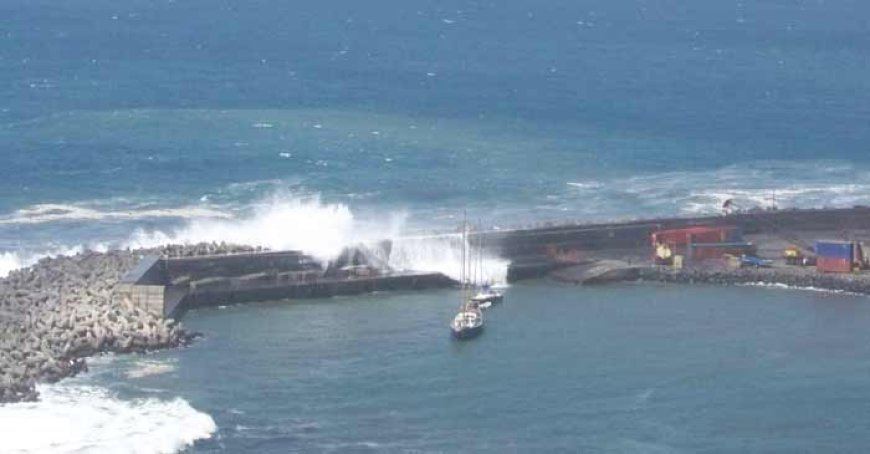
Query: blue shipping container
835, 249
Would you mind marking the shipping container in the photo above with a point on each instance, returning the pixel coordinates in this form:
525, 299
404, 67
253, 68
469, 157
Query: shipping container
702, 234
836, 249
833, 265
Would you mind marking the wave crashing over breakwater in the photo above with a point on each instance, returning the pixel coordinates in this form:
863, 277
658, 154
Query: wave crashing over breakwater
77, 418
444, 254
285, 222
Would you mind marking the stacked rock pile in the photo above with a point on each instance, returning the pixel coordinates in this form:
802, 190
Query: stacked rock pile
64, 309
200, 249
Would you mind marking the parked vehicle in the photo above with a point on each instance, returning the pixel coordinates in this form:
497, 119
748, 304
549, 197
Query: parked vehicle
755, 261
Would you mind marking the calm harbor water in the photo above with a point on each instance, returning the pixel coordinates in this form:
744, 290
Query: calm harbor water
629, 368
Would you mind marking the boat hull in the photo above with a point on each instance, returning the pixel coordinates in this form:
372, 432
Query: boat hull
493, 299
466, 333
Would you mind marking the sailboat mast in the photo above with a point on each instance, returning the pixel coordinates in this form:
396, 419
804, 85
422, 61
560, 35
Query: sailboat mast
482, 275
463, 271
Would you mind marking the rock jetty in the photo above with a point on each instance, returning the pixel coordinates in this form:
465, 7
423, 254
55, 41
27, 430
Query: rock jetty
62, 310
792, 277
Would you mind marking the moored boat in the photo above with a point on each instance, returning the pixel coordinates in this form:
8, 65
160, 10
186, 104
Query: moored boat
467, 323
487, 296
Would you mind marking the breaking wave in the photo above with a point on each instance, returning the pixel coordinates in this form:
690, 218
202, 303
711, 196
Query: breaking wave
282, 222
287, 222
44, 213
444, 254
10, 261
77, 418
780, 286
813, 184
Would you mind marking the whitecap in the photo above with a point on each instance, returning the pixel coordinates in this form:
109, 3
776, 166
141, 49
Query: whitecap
10, 261
443, 253
781, 286
13, 260
48, 212
85, 419
280, 222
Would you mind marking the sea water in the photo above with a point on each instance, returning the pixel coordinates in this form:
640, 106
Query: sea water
311, 126
631, 368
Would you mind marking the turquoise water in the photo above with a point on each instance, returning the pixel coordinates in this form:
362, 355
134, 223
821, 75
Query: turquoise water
314, 125
629, 368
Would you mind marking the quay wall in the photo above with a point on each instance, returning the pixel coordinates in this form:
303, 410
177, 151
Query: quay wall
169, 286
534, 252
237, 291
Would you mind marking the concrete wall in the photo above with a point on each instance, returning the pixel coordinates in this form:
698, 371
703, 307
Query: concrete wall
144, 285
188, 269
147, 297
231, 291
168, 287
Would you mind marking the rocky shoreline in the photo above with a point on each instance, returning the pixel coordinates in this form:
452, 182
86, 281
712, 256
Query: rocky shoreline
792, 277
62, 310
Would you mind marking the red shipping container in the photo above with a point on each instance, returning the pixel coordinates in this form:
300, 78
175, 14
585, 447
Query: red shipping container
833, 265
698, 234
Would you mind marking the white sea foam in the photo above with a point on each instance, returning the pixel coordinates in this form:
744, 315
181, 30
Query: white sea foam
147, 368
287, 222
12, 260
749, 185
43, 213
780, 286
321, 229
282, 222
85, 419
9, 261
444, 254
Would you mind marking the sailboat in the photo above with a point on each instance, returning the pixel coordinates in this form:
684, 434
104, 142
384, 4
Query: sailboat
468, 321
485, 296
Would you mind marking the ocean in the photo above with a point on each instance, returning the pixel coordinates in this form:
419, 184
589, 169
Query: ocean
312, 126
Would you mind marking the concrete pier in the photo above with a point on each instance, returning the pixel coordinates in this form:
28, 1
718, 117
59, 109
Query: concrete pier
169, 286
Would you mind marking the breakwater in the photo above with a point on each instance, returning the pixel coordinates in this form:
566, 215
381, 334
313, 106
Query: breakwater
537, 251
791, 277
171, 285
62, 310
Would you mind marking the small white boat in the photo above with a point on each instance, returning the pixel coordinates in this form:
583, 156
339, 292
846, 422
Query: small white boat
467, 323
487, 295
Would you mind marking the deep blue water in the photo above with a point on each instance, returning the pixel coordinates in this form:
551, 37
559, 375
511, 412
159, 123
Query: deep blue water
155, 101
293, 124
